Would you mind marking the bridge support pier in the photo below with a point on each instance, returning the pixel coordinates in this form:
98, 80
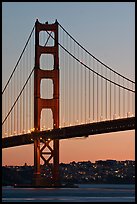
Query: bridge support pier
40, 103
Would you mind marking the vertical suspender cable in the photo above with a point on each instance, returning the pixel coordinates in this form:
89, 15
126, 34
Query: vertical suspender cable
89, 89
114, 95
128, 99
81, 87
119, 97
63, 80
3, 114
21, 98
132, 101
101, 92
7, 108
85, 88
27, 96
78, 101
69, 83
97, 92
11, 105
32, 84
18, 81
93, 93
14, 78
23, 112
8, 121
30, 92
70, 86
74, 93
106, 94
7, 127
15, 90
110, 95
123, 99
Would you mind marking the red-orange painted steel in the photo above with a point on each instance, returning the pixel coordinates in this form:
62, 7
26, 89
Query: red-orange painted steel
40, 103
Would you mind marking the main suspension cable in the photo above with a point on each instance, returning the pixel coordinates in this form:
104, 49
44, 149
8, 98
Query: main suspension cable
18, 60
95, 71
95, 57
18, 96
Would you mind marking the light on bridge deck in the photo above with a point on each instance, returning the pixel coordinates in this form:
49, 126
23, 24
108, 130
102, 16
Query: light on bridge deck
32, 130
130, 114
44, 127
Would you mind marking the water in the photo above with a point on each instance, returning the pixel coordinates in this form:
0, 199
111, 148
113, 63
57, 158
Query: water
85, 193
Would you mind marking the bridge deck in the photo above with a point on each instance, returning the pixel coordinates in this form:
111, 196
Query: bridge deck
72, 131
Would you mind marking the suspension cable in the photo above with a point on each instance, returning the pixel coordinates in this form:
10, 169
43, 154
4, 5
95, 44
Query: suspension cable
95, 57
95, 71
18, 96
18, 60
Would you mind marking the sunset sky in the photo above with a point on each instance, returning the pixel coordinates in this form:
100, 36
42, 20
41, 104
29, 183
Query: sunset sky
105, 29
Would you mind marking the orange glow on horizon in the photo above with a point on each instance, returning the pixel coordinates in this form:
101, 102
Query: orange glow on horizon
118, 146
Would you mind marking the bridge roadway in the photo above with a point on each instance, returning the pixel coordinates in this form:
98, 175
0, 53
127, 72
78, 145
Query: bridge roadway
70, 132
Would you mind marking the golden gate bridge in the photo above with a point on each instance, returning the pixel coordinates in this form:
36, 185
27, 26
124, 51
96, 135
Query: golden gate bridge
59, 90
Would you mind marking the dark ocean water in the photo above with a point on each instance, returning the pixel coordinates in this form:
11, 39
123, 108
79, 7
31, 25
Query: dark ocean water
85, 193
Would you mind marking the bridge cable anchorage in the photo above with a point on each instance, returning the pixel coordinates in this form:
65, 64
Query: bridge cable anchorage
96, 58
96, 72
18, 60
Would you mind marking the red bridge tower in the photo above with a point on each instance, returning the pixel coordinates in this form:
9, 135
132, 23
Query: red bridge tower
40, 103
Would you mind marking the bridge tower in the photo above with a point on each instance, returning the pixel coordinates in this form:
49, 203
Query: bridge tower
40, 103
